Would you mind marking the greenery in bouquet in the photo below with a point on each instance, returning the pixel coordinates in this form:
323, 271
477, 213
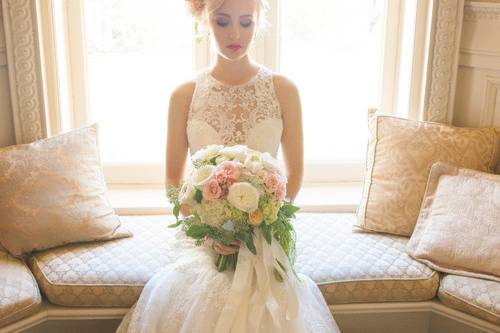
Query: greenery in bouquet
234, 192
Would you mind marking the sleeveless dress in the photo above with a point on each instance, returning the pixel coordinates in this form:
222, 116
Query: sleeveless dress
190, 295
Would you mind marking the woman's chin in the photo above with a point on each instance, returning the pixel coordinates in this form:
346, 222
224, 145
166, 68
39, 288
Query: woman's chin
233, 55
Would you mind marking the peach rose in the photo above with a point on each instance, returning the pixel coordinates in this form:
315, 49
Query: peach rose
212, 190
256, 217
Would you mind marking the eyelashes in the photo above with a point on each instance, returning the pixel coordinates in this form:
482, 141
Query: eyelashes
224, 23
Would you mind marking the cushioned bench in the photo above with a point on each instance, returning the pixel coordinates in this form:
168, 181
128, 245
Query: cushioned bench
19, 294
478, 297
349, 267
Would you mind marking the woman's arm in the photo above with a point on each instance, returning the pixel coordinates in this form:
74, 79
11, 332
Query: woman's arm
292, 141
177, 144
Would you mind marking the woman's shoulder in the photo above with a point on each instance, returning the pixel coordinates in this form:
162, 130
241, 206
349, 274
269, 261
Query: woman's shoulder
185, 89
284, 86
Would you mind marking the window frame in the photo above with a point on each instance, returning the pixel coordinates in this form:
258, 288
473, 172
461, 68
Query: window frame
266, 51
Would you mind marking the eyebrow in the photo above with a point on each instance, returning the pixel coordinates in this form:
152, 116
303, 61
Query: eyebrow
222, 14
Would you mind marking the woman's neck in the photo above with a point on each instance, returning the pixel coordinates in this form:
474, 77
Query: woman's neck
233, 72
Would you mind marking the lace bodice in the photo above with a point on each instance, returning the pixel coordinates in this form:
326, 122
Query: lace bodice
247, 114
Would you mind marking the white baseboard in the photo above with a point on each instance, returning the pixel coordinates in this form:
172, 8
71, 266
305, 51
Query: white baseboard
407, 317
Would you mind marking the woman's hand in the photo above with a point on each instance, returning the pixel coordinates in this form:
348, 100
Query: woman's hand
223, 249
185, 210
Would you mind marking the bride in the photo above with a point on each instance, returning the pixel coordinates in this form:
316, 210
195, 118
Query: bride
237, 101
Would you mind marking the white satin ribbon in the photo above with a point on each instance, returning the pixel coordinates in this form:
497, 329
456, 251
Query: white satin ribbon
255, 291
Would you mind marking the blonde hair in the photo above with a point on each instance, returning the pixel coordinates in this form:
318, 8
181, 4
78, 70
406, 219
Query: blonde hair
203, 15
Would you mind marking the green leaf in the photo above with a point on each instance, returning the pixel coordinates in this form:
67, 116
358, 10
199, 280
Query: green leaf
175, 225
213, 160
266, 232
176, 210
198, 196
289, 210
198, 231
277, 275
250, 244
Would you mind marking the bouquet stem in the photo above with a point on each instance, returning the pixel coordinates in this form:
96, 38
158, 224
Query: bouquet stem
223, 261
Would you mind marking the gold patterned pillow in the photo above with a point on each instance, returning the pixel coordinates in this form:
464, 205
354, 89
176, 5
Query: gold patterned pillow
498, 161
53, 193
458, 227
399, 157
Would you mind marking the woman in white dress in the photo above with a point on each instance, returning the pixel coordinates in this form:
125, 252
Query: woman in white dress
237, 101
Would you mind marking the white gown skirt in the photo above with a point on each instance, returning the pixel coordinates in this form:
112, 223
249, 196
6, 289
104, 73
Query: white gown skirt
191, 296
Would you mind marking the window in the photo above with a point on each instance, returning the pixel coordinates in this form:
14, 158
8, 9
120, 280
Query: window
137, 52
332, 50
125, 57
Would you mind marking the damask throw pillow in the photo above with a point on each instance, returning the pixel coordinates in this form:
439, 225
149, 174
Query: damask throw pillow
458, 229
53, 193
399, 157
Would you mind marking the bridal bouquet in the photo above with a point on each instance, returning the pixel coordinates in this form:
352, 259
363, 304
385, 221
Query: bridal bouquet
234, 192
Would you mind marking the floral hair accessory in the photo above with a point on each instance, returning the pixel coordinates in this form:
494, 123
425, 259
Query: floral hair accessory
196, 6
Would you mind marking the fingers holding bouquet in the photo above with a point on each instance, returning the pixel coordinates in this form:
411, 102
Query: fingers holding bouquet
220, 248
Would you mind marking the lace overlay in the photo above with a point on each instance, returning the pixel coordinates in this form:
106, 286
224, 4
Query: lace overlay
235, 114
190, 295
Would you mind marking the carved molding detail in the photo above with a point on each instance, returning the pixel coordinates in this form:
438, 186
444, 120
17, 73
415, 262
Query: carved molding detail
25, 74
479, 12
443, 60
491, 102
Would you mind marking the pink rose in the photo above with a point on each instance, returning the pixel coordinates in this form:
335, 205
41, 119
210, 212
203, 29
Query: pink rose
186, 194
221, 176
212, 190
272, 182
231, 169
281, 192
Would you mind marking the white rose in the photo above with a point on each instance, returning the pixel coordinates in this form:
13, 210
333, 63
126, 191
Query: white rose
243, 196
202, 175
236, 152
207, 153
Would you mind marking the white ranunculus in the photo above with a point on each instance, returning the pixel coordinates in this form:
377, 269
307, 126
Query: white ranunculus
270, 163
236, 152
253, 162
243, 196
207, 152
202, 175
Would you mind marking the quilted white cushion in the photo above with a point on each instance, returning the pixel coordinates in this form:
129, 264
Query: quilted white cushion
479, 297
19, 294
355, 267
349, 267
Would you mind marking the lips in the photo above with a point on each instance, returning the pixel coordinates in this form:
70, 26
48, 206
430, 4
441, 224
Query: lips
234, 47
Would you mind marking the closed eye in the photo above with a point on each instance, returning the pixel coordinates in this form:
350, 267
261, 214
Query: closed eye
222, 23
246, 24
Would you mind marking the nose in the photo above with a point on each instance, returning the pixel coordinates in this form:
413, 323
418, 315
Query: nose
234, 33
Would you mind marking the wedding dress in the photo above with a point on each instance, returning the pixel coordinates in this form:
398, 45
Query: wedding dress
190, 295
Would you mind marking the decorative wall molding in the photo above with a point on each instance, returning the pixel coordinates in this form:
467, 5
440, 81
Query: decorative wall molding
25, 74
444, 48
3, 56
491, 102
478, 11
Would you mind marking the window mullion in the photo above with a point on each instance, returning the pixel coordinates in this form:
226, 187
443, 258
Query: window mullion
76, 62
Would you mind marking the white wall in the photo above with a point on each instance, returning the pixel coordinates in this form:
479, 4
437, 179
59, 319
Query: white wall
7, 136
477, 98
